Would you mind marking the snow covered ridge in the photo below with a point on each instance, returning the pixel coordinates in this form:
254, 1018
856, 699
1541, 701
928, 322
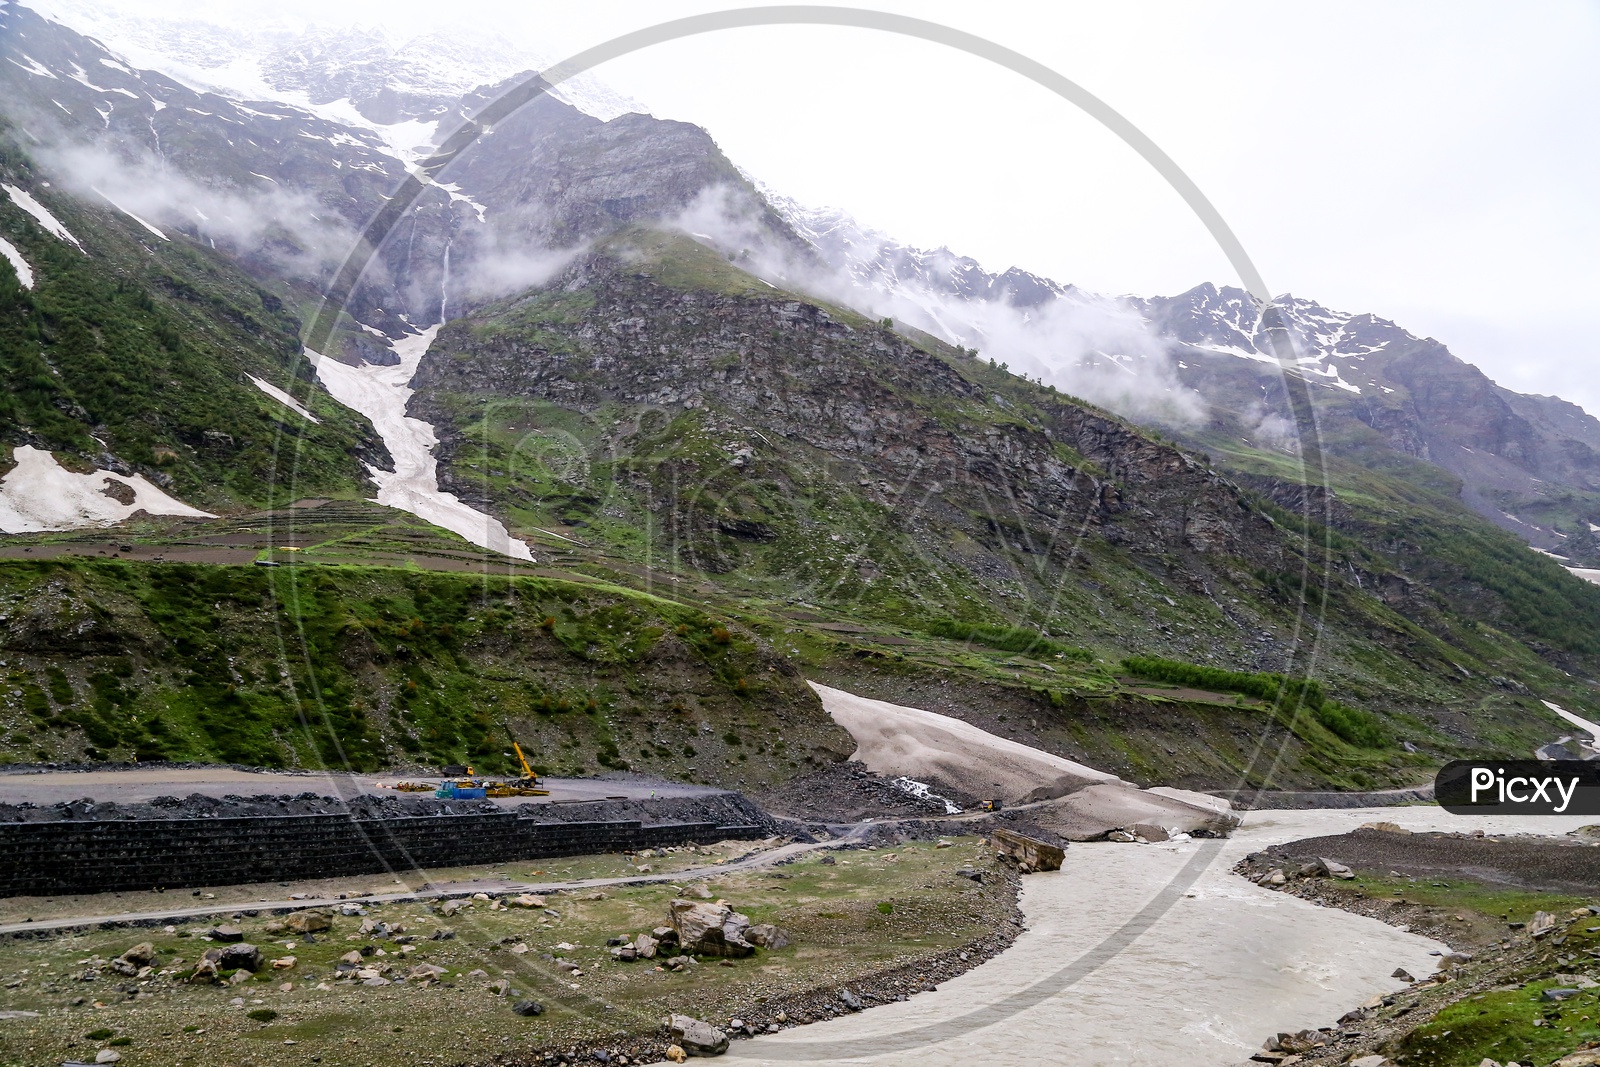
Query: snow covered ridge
282, 397
396, 87
40, 494
41, 214
18, 264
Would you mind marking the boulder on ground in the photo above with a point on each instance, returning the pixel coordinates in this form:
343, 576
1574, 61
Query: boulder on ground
644, 946
710, 929
225, 933
676, 1054
1541, 924
140, 955
1273, 878
451, 907
310, 921
767, 936
697, 1037
1384, 826
528, 1007
1028, 851
240, 956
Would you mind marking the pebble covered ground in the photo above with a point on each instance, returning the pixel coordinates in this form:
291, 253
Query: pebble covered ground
879, 922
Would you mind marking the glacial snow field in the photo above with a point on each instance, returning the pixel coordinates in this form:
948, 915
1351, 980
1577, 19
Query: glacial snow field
380, 393
40, 494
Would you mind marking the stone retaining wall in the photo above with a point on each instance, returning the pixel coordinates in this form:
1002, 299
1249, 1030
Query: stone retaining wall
41, 858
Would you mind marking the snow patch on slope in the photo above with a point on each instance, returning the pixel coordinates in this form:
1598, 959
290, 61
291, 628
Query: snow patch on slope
131, 215
381, 394
41, 214
18, 264
41, 494
282, 397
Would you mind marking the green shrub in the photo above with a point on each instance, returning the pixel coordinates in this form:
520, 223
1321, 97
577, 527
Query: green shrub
1353, 725
1006, 638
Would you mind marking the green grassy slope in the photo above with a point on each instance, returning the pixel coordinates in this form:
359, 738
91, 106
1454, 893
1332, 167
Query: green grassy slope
368, 667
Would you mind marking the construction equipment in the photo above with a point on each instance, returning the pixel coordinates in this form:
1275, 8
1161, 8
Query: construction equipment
468, 788
529, 780
473, 788
526, 786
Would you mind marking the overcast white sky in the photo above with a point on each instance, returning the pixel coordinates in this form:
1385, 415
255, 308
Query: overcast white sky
1433, 162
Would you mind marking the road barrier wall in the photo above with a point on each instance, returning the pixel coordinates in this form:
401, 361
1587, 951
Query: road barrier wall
87, 856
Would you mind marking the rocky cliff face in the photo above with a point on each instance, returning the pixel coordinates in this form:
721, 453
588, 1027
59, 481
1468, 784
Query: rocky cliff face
796, 401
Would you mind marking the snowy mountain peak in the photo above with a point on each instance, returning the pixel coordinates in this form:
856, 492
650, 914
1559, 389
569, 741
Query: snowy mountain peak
365, 77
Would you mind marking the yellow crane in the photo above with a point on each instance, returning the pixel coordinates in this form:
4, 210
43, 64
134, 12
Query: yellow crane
526, 786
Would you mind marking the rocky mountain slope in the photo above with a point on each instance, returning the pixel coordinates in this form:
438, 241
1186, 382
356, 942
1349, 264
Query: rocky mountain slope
1384, 396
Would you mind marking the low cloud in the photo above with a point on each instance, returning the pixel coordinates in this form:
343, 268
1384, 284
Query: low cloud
286, 227
1096, 348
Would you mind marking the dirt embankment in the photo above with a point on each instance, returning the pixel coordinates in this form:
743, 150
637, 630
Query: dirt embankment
1544, 864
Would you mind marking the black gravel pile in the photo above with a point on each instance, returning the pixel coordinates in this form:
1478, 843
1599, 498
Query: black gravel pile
200, 806
724, 809
847, 792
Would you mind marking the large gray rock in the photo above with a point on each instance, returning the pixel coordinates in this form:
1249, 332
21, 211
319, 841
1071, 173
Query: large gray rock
140, 955
696, 1037
767, 936
310, 921
242, 956
710, 929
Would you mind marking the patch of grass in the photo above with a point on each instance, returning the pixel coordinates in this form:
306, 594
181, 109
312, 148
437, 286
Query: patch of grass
1505, 1025
840, 933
